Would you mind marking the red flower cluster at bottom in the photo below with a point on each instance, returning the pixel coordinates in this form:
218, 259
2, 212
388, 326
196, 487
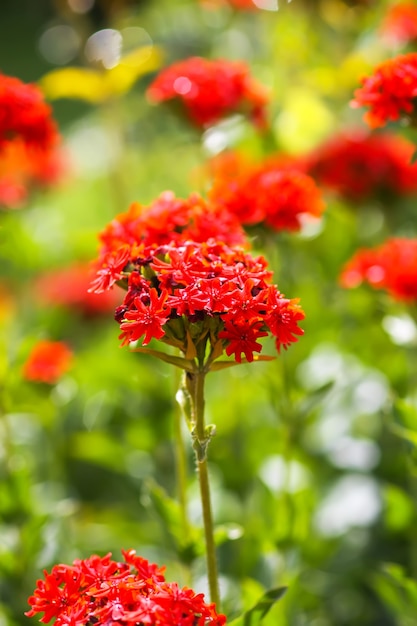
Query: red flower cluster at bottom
103, 592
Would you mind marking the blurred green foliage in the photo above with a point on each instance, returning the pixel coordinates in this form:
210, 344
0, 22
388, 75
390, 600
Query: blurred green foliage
314, 461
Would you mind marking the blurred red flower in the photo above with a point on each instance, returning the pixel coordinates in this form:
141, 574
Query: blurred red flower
68, 287
400, 23
209, 90
47, 362
359, 166
29, 142
24, 168
390, 91
276, 193
391, 266
25, 114
101, 591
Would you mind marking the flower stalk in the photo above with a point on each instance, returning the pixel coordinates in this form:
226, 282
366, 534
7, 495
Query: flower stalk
201, 439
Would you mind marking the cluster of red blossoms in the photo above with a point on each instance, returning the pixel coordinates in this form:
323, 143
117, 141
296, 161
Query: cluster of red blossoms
171, 219
390, 91
391, 266
188, 288
47, 362
103, 592
358, 165
210, 90
276, 193
29, 140
400, 23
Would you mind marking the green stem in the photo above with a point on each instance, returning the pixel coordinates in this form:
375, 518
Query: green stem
181, 458
201, 441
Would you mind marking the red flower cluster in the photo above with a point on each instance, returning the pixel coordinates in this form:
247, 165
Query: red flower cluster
103, 592
47, 362
68, 287
390, 91
392, 266
359, 166
276, 194
23, 167
171, 219
198, 295
210, 90
28, 141
400, 23
24, 114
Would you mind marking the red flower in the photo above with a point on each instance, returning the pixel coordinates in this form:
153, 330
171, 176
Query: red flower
25, 114
207, 293
276, 194
68, 287
392, 266
23, 168
101, 591
170, 219
111, 268
241, 339
147, 315
400, 23
359, 166
29, 156
389, 91
47, 362
209, 90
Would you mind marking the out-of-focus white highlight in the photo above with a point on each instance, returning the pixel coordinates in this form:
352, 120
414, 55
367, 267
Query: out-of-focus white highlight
59, 44
354, 501
401, 329
281, 475
104, 46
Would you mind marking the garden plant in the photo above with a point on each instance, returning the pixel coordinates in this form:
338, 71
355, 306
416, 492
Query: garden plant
208, 307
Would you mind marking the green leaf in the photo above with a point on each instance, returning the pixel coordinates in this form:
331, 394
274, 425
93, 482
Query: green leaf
398, 592
221, 365
188, 545
255, 615
178, 361
405, 433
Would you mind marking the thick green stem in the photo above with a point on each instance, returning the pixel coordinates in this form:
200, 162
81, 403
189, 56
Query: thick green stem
201, 440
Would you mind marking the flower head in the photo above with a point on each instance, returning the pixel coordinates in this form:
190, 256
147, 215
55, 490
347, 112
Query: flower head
209, 90
391, 266
47, 362
203, 298
133, 235
390, 91
276, 194
359, 166
172, 219
100, 591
